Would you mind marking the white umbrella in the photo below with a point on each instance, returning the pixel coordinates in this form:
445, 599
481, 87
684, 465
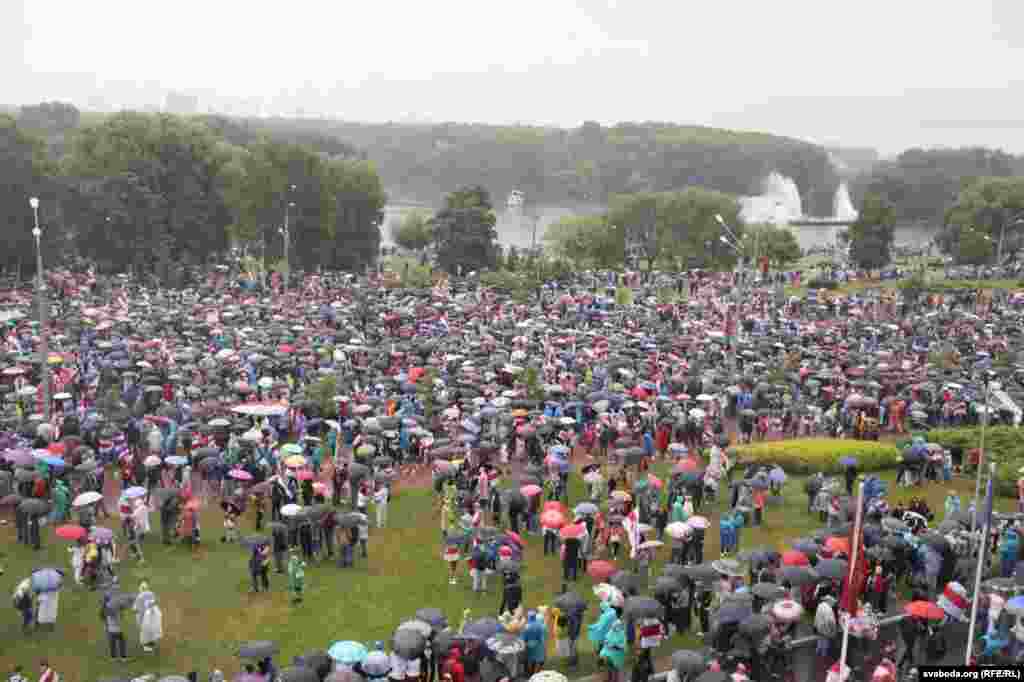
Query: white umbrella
290, 510
87, 498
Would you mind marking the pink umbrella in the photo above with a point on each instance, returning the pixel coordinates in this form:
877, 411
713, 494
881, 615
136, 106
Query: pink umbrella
655, 481
530, 490
305, 475
240, 475
552, 518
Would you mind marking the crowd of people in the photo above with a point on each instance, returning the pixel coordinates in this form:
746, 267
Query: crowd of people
212, 395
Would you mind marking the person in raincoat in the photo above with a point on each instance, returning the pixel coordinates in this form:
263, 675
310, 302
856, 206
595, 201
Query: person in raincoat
61, 501
678, 512
598, 630
613, 651
952, 504
535, 637
1009, 548
296, 576
149, 618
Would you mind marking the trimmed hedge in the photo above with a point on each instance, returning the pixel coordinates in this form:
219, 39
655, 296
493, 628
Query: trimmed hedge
809, 455
1003, 444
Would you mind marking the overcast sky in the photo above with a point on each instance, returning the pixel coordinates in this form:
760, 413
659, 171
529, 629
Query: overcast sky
882, 73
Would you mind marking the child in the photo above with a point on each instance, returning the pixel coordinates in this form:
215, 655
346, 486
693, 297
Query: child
257, 503
230, 527
296, 576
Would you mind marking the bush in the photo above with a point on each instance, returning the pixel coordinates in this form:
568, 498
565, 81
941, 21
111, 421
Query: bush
809, 455
1003, 445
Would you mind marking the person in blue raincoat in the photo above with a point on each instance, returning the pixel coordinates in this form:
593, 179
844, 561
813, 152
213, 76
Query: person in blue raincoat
598, 630
613, 651
170, 443
1009, 548
535, 637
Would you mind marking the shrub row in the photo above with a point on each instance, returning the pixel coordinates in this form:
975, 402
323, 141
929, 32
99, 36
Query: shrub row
1004, 445
809, 455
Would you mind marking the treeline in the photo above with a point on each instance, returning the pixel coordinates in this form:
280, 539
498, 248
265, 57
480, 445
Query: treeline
590, 163
159, 192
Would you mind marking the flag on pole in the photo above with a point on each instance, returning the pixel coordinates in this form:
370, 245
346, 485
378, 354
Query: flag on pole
853, 583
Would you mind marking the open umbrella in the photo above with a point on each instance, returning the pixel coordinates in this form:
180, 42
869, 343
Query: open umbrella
924, 609
409, 643
47, 579
642, 607
71, 532
347, 653
787, 611
435, 617
570, 603
298, 673
601, 570
688, 662
548, 676
832, 568
483, 628
87, 498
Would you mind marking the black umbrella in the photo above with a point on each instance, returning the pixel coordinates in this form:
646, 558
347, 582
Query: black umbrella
298, 673
797, 575
255, 541
408, 643
34, 507
257, 649
626, 581
767, 591
666, 585
703, 573
688, 662
643, 607
570, 603
350, 519
120, 601
319, 661
435, 617
832, 568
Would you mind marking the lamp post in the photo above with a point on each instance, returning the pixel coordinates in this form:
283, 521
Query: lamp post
286, 233
44, 335
981, 452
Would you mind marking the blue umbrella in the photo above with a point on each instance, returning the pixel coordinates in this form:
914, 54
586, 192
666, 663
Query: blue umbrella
483, 628
52, 461
848, 461
560, 451
347, 653
777, 475
134, 491
47, 579
733, 613
176, 460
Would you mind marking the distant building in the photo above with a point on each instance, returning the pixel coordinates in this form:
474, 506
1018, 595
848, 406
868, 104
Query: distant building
180, 103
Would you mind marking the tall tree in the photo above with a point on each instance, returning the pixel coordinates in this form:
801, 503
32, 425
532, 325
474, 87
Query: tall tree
25, 171
465, 231
871, 237
177, 160
359, 199
779, 244
413, 230
987, 210
587, 240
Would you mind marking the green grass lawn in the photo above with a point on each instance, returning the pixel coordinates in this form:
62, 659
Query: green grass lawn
208, 610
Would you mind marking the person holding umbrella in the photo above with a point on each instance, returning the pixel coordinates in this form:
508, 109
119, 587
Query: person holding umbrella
149, 618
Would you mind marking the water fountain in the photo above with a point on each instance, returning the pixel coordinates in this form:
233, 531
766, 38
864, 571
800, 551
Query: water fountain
778, 203
842, 205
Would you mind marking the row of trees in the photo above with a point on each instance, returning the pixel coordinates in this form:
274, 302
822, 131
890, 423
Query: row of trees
157, 191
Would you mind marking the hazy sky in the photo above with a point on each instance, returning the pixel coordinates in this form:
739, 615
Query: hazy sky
883, 73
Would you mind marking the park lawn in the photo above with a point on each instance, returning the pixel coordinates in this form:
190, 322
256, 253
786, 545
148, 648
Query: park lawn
208, 610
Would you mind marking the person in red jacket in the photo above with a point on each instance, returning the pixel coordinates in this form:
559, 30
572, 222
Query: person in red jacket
453, 668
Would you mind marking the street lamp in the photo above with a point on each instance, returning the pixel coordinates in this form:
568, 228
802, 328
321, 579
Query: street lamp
44, 338
981, 451
286, 233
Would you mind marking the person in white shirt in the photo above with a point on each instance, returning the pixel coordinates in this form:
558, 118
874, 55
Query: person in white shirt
380, 501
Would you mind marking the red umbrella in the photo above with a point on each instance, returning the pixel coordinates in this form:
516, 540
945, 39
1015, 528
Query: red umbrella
552, 518
837, 544
530, 490
71, 532
576, 530
924, 609
601, 570
56, 448
285, 348
794, 558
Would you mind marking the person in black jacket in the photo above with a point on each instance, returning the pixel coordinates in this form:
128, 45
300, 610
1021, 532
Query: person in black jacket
512, 595
570, 559
280, 549
259, 568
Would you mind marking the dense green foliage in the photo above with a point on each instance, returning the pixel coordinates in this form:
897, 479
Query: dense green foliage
922, 184
807, 455
678, 229
587, 240
987, 209
413, 231
872, 235
465, 231
160, 192
779, 244
1003, 445
589, 163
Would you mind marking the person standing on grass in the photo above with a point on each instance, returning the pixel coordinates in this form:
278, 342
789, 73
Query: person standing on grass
24, 603
380, 501
111, 618
296, 576
46, 673
149, 617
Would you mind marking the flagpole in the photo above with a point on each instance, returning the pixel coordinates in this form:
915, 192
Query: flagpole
854, 551
982, 546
